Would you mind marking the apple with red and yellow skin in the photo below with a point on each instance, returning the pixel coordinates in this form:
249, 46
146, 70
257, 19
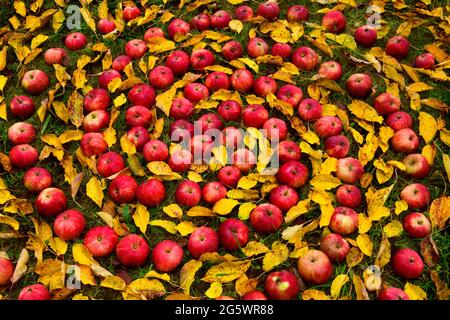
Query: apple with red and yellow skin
37, 179
244, 160
139, 136
22, 106
334, 21
161, 77
93, 144
188, 193
284, 197
393, 293
123, 189
405, 140
397, 47
75, 41
151, 193
132, 251
21, 133
50, 202
297, 13
310, 110
257, 47
244, 13
106, 25
417, 165
366, 36
55, 56
138, 116
349, 170
195, 92
101, 241
180, 160
131, 12
266, 218
178, 26
6, 271
202, 240
407, 263
282, 285
337, 146
328, 126
95, 121
142, 95
335, 247
359, 85
201, 22
264, 85
69, 224
34, 292
232, 50
344, 221
399, 120
242, 80
155, 150
178, 61
202, 58
275, 129
293, 173
23, 155
153, 32
315, 267
230, 110
35, 81
282, 50
106, 77
167, 255
217, 80
416, 195
181, 108
96, 99
288, 151
270, 10
331, 70
220, 19
136, 49
254, 295
417, 225
110, 163
213, 191
229, 176
209, 121
255, 115
386, 103
233, 234
348, 195
291, 94
234, 138
305, 58
425, 61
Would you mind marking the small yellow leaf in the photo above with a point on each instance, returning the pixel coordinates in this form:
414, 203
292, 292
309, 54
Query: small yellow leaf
254, 248
427, 126
225, 206
226, 271
415, 292
337, 285
127, 146
400, 206
167, 225
214, 291
278, 254
187, 274
245, 209
365, 244
141, 218
173, 210
114, 282
393, 229
185, 227
94, 191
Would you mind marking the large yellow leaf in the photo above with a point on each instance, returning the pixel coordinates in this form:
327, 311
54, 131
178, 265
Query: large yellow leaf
141, 218
440, 212
114, 282
337, 285
278, 254
187, 274
365, 244
427, 126
94, 191
415, 292
225, 206
226, 271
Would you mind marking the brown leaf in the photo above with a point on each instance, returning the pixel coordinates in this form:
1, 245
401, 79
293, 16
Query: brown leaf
75, 108
384, 253
429, 251
76, 183
442, 291
440, 212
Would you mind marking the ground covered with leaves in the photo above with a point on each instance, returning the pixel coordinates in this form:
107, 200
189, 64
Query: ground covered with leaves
29, 28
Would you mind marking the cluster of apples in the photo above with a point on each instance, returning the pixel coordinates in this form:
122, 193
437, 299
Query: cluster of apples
315, 266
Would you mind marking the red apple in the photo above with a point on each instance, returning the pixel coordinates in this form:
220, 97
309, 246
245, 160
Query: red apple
349, 195
344, 221
327, 126
254, 295
234, 138
242, 80
21, 133
106, 26
244, 13
264, 85
153, 32
366, 36
155, 150
181, 130
417, 166
405, 140
290, 94
233, 234
110, 163
424, 61
195, 92
337, 146
181, 108
349, 170
35, 81
293, 174
305, 58
69, 224
297, 13
213, 192
123, 189
199, 145
161, 77
151, 193
209, 121
284, 197
397, 47
386, 103
202, 240
331, 70
255, 115
93, 144
50, 202
407, 263
178, 26
188, 193
37, 179
139, 136
257, 47
132, 251
138, 116
416, 195
178, 61
136, 49
282, 285
101, 241
217, 80
393, 293
244, 160
34, 292
399, 120
23, 155
335, 247
95, 121
201, 22
142, 95
417, 225
288, 151
167, 255
334, 21
230, 110
96, 99
6, 271
266, 218
269, 10
232, 50
229, 176
275, 129
22, 106
220, 19
311, 110
201, 59
55, 56
75, 41
106, 77
131, 12
315, 267
180, 160
359, 85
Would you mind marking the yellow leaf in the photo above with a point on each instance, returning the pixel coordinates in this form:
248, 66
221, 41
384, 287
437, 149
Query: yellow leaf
365, 244
120, 100
297, 210
81, 254
144, 289
337, 285
38, 40
246, 183
226, 271
250, 63
58, 19
314, 294
114, 282
173, 210
354, 257
187, 274
393, 229
103, 9
326, 213
199, 211
94, 191
88, 19
110, 136
384, 252
127, 146
141, 218
427, 126
445, 136
3, 54
159, 168
254, 248
21, 266
61, 110
154, 274
435, 104
214, 291
225, 206
75, 108
440, 212
167, 225
194, 176
278, 254
185, 227
364, 111
245, 285
364, 223
245, 209
13, 223
429, 152
20, 8
400, 206
415, 292
343, 39
325, 182
58, 245
360, 289
446, 161
437, 52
